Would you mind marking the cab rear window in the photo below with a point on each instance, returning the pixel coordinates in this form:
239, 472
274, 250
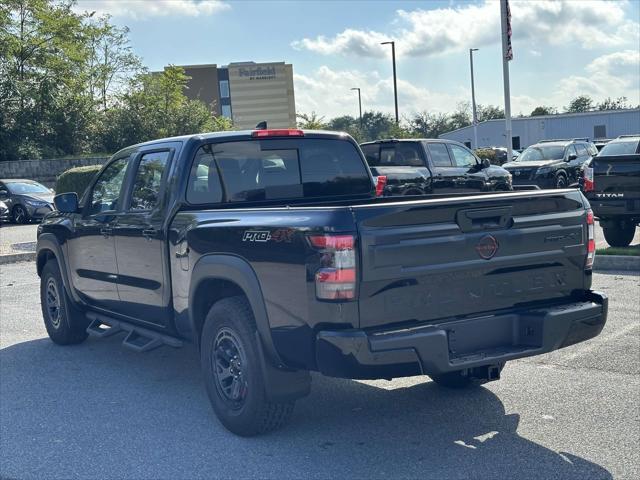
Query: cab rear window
273, 169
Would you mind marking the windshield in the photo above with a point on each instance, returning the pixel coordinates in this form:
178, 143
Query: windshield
20, 188
533, 154
619, 148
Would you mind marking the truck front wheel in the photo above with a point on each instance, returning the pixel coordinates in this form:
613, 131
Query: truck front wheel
65, 324
619, 234
231, 366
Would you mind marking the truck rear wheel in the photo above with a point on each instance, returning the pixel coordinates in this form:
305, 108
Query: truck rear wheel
231, 366
65, 324
619, 234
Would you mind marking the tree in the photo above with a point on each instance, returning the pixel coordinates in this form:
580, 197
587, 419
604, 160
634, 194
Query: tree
489, 112
311, 121
582, 103
542, 110
427, 125
461, 117
611, 104
111, 60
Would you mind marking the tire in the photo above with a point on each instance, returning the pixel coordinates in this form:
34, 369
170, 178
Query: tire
561, 181
65, 324
458, 379
20, 215
619, 235
232, 371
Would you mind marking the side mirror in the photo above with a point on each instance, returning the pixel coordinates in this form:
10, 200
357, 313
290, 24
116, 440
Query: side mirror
485, 163
66, 202
4, 194
571, 157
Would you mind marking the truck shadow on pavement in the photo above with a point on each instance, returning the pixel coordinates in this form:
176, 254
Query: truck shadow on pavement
97, 410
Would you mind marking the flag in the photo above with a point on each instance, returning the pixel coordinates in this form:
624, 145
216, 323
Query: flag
509, 54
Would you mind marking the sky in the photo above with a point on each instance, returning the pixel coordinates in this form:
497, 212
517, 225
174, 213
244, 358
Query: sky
562, 48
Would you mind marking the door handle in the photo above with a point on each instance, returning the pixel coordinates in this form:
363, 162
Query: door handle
106, 231
149, 233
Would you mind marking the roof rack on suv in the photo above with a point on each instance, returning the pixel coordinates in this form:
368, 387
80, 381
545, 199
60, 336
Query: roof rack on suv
581, 139
629, 135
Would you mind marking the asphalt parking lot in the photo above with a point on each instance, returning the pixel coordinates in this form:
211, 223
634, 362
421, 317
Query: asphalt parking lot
98, 410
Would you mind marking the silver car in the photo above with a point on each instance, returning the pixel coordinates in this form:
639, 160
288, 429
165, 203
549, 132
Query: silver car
26, 199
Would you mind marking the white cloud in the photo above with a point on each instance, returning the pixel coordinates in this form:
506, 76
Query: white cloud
591, 24
141, 9
612, 75
327, 92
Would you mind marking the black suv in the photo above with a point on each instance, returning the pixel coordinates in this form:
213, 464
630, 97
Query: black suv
551, 163
425, 166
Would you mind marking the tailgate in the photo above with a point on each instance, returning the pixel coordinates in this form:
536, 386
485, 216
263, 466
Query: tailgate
439, 259
617, 175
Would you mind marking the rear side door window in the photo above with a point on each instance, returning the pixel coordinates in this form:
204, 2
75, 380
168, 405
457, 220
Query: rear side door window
462, 157
105, 196
401, 154
148, 180
439, 155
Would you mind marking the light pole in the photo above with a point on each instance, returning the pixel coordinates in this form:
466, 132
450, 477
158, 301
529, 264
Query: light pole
359, 103
395, 83
473, 100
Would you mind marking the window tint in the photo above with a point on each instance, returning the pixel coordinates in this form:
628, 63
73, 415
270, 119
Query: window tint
146, 187
439, 154
403, 154
333, 167
276, 169
619, 148
372, 154
462, 157
204, 182
106, 191
250, 174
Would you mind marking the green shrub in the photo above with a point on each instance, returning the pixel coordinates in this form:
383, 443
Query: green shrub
76, 179
487, 153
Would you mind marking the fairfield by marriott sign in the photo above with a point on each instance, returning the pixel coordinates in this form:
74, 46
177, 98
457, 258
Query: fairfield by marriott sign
258, 73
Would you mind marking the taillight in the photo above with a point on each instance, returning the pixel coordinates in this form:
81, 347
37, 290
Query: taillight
283, 132
591, 240
336, 277
381, 182
587, 176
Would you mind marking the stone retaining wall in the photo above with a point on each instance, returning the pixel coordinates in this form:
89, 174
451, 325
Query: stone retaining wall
45, 171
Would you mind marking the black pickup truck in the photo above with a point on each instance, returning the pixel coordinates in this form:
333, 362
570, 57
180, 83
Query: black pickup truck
431, 166
269, 251
611, 182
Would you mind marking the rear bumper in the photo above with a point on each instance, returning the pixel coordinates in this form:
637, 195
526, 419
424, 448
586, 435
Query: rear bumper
460, 344
615, 207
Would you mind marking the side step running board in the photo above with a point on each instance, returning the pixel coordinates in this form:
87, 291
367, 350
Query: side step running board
138, 338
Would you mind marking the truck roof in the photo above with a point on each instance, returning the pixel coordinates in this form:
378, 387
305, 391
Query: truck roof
230, 134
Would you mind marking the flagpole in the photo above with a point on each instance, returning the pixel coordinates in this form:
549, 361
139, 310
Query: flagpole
505, 21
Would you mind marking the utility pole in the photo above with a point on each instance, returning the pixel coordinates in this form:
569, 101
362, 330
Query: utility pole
473, 101
359, 104
507, 55
395, 83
